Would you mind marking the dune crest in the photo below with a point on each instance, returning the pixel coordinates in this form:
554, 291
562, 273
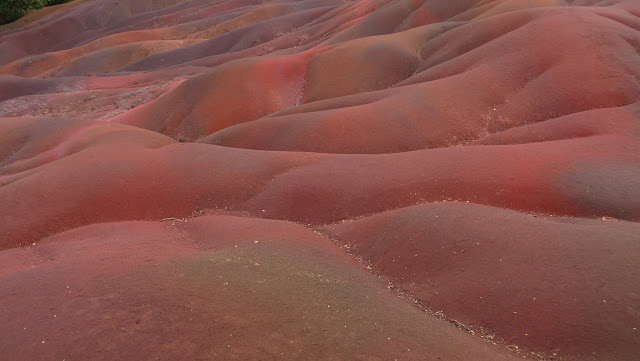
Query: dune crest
321, 179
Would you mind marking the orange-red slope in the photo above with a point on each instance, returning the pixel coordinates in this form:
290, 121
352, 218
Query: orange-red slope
563, 285
211, 288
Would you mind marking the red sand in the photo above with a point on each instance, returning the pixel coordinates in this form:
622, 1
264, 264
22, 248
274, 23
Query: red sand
321, 179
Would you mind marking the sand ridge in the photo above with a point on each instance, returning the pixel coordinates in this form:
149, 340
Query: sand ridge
321, 179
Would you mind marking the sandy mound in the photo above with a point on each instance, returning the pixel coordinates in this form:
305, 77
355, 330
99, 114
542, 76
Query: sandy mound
321, 179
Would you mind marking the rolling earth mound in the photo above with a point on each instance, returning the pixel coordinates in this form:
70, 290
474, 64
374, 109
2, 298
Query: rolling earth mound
321, 180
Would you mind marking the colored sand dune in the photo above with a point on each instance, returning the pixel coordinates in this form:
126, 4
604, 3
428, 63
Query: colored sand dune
321, 180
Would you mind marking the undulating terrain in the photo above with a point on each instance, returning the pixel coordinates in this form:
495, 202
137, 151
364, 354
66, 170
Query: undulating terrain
321, 180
